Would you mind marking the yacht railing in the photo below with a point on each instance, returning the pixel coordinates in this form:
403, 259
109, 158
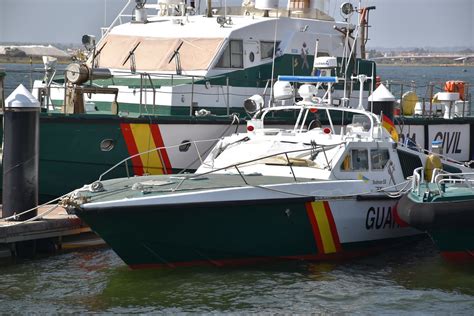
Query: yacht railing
118, 19
440, 178
313, 150
236, 166
428, 92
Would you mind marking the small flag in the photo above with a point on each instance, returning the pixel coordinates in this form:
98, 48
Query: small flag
390, 127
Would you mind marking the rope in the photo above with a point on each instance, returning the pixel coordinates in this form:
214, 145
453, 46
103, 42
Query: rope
15, 216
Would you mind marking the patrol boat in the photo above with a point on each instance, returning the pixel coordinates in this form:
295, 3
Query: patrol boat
307, 191
442, 204
166, 74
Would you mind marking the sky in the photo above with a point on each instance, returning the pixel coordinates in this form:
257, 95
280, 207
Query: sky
395, 23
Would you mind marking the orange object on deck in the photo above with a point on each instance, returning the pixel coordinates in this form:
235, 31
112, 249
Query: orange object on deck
455, 86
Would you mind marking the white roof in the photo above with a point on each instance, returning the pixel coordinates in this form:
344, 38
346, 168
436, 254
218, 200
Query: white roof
203, 27
381, 94
21, 98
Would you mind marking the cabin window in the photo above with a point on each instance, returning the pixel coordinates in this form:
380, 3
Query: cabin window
232, 57
356, 160
379, 158
267, 48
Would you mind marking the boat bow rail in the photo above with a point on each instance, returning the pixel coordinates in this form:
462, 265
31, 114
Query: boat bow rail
439, 180
291, 162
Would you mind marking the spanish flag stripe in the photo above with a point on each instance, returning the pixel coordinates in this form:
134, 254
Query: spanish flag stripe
314, 225
332, 225
324, 227
156, 132
144, 140
387, 123
132, 148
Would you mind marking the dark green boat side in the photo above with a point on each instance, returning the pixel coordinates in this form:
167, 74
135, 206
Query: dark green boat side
446, 213
219, 234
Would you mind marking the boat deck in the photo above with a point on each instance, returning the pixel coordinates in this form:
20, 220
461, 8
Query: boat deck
449, 192
136, 187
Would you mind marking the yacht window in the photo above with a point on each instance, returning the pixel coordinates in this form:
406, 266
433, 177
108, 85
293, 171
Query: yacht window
356, 160
266, 49
361, 120
379, 158
232, 57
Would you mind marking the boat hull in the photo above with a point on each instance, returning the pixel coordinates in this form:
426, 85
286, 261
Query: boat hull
236, 232
449, 223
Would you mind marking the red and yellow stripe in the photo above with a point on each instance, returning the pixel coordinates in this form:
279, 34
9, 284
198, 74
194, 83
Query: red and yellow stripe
142, 138
324, 227
390, 127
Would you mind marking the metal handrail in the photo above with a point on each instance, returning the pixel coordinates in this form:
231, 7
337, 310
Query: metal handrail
440, 178
125, 160
418, 176
236, 165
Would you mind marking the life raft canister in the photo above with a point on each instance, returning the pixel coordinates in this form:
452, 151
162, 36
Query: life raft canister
408, 102
455, 86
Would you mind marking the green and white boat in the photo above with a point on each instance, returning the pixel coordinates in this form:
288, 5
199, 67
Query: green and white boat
444, 208
306, 192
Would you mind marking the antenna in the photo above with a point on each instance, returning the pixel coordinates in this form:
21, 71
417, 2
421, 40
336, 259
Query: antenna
273, 62
315, 56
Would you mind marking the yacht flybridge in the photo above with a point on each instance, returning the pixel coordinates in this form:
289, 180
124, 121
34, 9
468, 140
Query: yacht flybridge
179, 62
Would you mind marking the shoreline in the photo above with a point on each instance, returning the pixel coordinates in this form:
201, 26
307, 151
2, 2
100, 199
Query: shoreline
31, 60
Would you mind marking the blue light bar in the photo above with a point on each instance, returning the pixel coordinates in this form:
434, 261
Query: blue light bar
307, 79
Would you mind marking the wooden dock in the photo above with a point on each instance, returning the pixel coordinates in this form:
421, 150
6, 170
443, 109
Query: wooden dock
56, 228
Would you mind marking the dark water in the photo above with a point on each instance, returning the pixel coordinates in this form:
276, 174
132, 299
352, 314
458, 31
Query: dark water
25, 74
409, 280
413, 279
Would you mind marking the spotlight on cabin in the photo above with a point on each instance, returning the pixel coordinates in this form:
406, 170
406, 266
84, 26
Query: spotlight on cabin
253, 104
347, 9
88, 41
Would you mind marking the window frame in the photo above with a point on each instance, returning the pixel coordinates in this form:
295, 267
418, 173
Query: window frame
230, 54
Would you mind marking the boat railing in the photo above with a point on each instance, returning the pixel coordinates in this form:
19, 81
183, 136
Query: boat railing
305, 109
159, 150
428, 92
290, 164
418, 176
147, 84
118, 19
440, 178
290, 161
162, 8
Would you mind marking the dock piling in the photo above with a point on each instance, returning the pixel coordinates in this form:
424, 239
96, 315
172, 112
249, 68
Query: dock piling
20, 154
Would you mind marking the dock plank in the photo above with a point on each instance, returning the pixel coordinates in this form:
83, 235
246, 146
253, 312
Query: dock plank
55, 224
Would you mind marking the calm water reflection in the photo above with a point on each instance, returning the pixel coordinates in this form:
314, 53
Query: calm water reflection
412, 279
